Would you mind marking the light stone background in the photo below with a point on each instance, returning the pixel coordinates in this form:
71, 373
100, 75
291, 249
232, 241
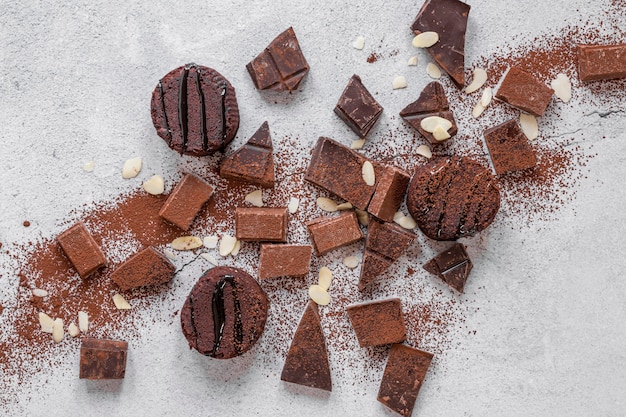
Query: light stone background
75, 83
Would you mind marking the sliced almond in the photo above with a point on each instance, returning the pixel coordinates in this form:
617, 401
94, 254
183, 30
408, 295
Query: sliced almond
440, 133
325, 278
155, 185
433, 71
398, 82
351, 261
131, 168
412, 61
478, 110
46, 322
358, 43
485, 100
529, 125
425, 151
38, 292
357, 144
406, 222
326, 204
429, 124
344, 206
425, 39
362, 216
209, 258
88, 167
186, 243
169, 254
227, 245
120, 302
236, 249
293, 205
479, 78
210, 242
562, 87
57, 331
319, 295
83, 321
367, 171
73, 330
255, 198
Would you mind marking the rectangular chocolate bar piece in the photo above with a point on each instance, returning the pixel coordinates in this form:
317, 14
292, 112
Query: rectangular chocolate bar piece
509, 148
185, 202
280, 260
330, 233
82, 250
601, 62
148, 267
522, 90
389, 193
263, 224
378, 322
102, 359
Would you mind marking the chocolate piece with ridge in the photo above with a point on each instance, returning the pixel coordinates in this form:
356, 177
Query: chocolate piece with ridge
452, 266
148, 267
509, 148
307, 359
358, 108
82, 250
102, 359
601, 62
378, 322
186, 200
281, 66
431, 102
280, 260
404, 375
253, 162
389, 193
261, 224
449, 19
522, 90
330, 233
194, 110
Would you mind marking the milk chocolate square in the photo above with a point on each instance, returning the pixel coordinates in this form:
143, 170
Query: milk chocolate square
509, 148
280, 260
522, 90
378, 322
186, 201
82, 250
102, 359
358, 108
261, 224
601, 62
147, 267
389, 193
330, 233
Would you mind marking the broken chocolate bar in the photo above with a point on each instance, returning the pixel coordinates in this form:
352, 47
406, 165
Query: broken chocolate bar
601, 62
82, 250
378, 322
102, 359
522, 90
261, 224
330, 233
509, 148
278, 260
358, 108
148, 267
186, 200
452, 266
389, 193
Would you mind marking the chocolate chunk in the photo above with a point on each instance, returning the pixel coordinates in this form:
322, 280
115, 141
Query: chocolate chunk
453, 197
148, 267
509, 148
185, 202
330, 233
225, 313
449, 19
372, 266
281, 66
452, 266
378, 322
522, 90
339, 170
389, 193
601, 62
102, 359
431, 102
284, 260
358, 108
261, 224
82, 250
307, 359
253, 162
403, 377
194, 109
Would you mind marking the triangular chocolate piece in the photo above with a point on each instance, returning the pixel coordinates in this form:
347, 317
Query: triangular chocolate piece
452, 266
431, 102
253, 162
307, 359
372, 266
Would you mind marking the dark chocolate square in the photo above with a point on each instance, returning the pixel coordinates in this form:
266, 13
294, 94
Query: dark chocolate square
378, 322
509, 148
358, 108
453, 266
102, 359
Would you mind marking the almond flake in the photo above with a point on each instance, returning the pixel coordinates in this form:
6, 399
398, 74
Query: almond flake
319, 295
440, 133
406, 222
169, 254
155, 185
412, 61
326, 204
485, 100
425, 39
37, 292
357, 144
186, 243
294, 203
398, 82
209, 258
359, 43
46, 322
227, 245
562, 87
131, 168
367, 171
73, 330
429, 124
344, 206
529, 126
255, 198
362, 217
479, 78
433, 71
351, 261
88, 167
83, 321
425, 151
120, 302
478, 110
57, 331
325, 278
236, 249
210, 242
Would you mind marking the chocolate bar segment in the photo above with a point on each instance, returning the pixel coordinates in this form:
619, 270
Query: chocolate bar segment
449, 19
148, 267
522, 90
378, 322
509, 148
102, 359
452, 266
82, 250
601, 62
403, 377
186, 200
358, 108
261, 224
389, 193
330, 233
280, 260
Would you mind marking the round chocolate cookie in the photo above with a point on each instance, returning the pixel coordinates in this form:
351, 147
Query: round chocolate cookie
452, 197
194, 109
225, 313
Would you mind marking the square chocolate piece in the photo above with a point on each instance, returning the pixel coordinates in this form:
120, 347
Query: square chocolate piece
403, 377
186, 201
82, 250
278, 260
358, 108
378, 322
102, 359
148, 267
509, 148
452, 266
262, 224
601, 62
330, 233
389, 193
522, 90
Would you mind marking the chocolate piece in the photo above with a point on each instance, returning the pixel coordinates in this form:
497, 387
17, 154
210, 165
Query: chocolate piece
147, 267
225, 313
522, 90
449, 19
431, 102
453, 197
452, 266
372, 265
358, 108
102, 359
307, 359
194, 109
284, 260
339, 170
185, 202
601, 62
378, 322
261, 224
509, 148
330, 233
82, 250
403, 377
281, 66
389, 193
253, 162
